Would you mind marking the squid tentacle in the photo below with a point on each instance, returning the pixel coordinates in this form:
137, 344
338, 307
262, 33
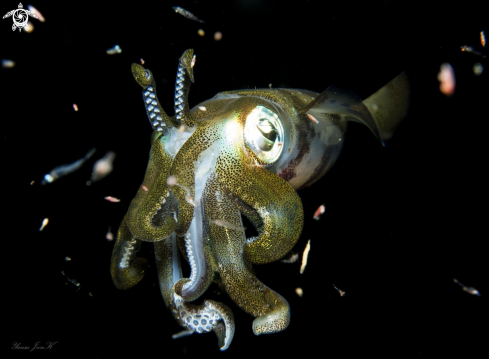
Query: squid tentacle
158, 118
147, 203
264, 193
126, 269
206, 317
185, 76
270, 309
200, 257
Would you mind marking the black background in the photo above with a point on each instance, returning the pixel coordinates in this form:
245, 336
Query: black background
400, 223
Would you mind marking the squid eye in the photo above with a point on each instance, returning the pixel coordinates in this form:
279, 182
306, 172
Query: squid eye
264, 134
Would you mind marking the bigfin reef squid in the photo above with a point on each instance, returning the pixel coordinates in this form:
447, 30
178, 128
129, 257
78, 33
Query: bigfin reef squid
240, 153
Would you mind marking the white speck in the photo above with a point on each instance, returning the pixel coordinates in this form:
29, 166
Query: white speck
304, 256
44, 224
478, 69
114, 50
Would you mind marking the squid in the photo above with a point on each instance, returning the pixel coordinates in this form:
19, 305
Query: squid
240, 153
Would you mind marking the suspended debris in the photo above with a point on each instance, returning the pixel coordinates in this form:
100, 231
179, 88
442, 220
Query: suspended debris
114, 50
339, 291
7, 64
478, 69
36, 12
218, 36
304, 256
29, 27
63, 170
45, 222
321, 209
103, 167
312, 118
112, 199
292, 259
183, 333
469, 290
186, 14
446, 76
109, 236
299, 292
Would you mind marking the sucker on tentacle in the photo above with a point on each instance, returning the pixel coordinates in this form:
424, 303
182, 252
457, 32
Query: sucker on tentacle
125, 268
217, 316
185, 75
157, 116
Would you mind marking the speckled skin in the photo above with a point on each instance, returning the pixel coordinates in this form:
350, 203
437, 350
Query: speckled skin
220, 176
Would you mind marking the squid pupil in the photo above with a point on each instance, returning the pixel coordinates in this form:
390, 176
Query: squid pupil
270, 136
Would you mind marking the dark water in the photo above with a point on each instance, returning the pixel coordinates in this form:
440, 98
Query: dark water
400, 223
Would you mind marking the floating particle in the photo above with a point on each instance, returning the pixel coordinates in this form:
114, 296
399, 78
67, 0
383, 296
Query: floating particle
270, 85
7, 64
483, 39
36, 12
226, 224
63, 272
183, 333
67, 259
114, 50
342, 294
109, 236
181, 129
72, 281
471, 50
63, 170
478, 69
321, 209
446, 76
45, 222
218, 36
469, 290
29, 27
186, 13
171, 181
75, 107
304, 256
201, 32
142, 61
90, 294
144, 188
299, 291
292, 259
32, 182
312, 118
202, 108
112, 199
103, 167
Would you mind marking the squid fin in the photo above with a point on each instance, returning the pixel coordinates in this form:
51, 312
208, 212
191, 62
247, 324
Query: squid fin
389, 105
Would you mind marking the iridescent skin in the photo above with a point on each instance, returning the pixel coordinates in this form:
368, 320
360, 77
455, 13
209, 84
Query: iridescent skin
240, 153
